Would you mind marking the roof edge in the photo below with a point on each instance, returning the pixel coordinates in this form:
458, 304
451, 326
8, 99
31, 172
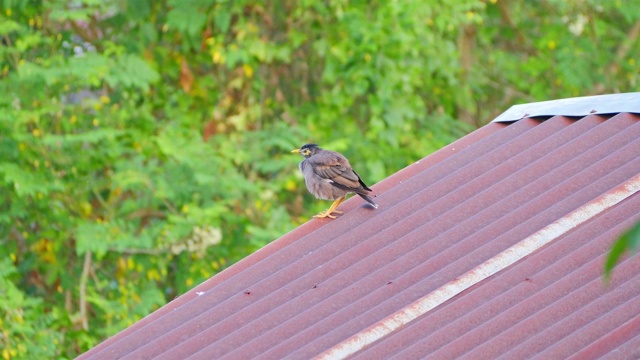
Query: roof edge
577, 106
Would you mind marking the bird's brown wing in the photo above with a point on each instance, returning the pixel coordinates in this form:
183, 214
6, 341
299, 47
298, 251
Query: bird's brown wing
336, 169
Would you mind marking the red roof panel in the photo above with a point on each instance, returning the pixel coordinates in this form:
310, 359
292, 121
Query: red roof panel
356, 286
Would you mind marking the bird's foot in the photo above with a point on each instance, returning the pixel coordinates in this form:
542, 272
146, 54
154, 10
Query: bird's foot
327, 214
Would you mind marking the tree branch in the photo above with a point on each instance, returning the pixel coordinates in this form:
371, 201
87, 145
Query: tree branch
86, 267
522, 43
140, 251
621, 53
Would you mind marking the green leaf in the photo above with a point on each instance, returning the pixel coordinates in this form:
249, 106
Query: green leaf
8, 26
132, 71
187, 16
629, 241
90, 66
138, 10
92, 236
25, 183
131, 179
89, 137
222, 19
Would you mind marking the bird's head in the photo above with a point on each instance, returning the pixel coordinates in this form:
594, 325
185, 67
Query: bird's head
307, 150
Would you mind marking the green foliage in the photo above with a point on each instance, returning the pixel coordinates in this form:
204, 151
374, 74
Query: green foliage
144, 145
24, 320
627, 242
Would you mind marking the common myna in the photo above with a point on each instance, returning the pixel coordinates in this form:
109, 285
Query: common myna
329, 176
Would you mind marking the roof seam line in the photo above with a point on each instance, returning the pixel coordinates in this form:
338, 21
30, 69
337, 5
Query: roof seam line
488, 268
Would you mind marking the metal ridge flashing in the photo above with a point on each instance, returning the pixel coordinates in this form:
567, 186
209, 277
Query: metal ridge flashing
577, 106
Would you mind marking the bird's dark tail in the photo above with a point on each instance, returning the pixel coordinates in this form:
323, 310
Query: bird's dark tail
369, 200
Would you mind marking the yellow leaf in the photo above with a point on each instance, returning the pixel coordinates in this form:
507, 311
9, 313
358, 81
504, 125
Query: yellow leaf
216, 57
153, 274
291, 185
248, 70
86, 209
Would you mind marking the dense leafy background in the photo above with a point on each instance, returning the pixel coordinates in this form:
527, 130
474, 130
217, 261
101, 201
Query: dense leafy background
144, 145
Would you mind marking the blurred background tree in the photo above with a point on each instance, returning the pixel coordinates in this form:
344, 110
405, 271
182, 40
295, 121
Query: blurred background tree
144, 145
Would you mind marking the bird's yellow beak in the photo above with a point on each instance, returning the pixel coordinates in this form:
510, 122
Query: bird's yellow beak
296, 151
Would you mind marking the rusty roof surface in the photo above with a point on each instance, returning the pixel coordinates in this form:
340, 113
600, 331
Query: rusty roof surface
492, 247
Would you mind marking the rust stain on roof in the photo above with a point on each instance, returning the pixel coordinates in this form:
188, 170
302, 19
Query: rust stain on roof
327, 285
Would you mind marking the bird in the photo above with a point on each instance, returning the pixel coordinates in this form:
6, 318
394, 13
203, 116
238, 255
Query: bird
329, 176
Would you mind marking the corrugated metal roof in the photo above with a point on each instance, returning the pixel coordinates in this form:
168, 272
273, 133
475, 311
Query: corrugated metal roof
491, 247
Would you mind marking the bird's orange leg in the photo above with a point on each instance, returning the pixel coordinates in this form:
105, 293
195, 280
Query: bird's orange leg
331, 209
